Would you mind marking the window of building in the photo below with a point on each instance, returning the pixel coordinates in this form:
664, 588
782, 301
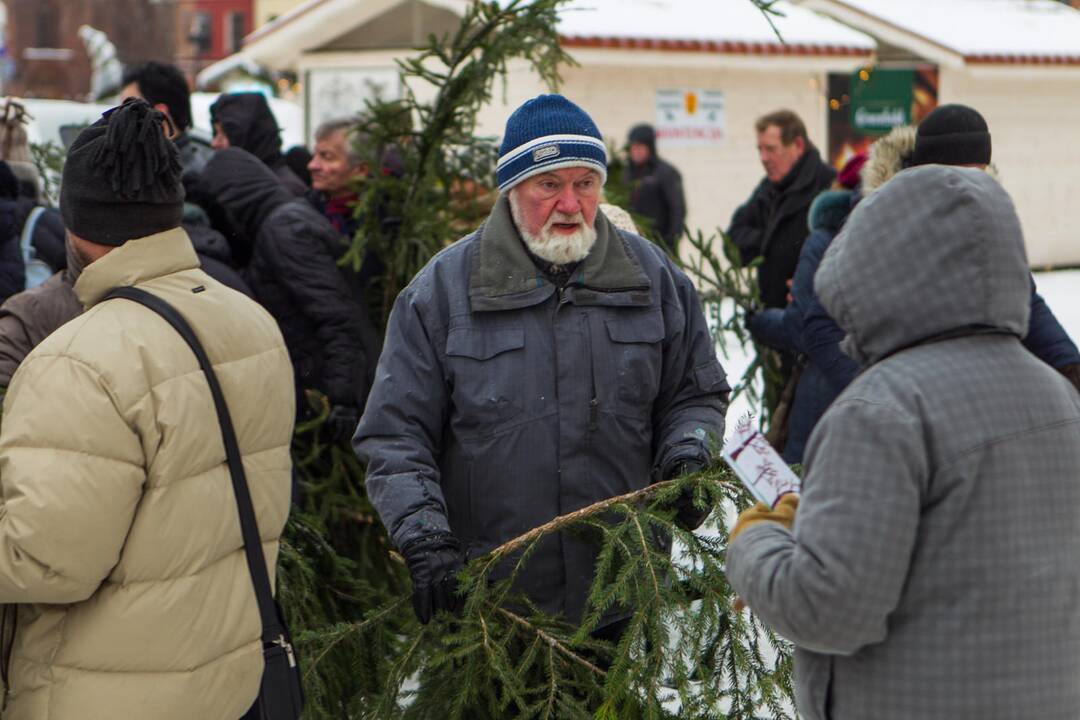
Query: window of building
235, 30
48, 25
200, 32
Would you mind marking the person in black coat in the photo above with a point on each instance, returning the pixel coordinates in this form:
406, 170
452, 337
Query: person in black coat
772, 223
244, 120
12, 269
41, 224
215, 258
657, 192
294, 274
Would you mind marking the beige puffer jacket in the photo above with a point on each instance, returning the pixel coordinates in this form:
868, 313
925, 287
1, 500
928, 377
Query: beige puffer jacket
119, 533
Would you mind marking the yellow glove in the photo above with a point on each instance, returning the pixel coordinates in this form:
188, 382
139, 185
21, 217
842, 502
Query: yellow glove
784, 513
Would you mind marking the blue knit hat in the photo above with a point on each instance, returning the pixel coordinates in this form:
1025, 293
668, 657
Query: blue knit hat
548, 133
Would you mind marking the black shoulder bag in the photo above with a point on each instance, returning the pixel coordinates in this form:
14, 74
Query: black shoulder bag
280, 695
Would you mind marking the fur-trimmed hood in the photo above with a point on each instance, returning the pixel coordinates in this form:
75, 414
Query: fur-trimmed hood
888, 155
892, 153
830, 209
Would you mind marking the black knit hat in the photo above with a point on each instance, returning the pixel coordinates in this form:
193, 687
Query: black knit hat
952, 135
122, 177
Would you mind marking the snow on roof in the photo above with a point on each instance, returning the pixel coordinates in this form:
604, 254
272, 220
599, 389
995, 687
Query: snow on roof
984, 29
719, 22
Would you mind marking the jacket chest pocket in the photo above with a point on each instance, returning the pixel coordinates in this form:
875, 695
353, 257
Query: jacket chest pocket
486, 369
630, 363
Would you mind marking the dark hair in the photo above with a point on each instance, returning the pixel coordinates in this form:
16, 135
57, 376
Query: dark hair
297, 158
163, 83
9, 184
791, 125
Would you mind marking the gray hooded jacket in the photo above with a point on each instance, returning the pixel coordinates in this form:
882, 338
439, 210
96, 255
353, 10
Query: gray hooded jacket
501, 401
932, 571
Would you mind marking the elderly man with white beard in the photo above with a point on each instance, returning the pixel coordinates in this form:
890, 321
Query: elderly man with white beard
541, 364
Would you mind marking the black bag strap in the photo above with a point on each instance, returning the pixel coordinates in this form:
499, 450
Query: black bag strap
249, 529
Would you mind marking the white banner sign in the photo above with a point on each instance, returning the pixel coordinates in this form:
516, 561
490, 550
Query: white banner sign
690, 117
336, 93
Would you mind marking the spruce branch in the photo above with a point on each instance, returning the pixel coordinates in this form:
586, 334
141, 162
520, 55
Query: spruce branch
769, 10
551, 641
504, 658
575, 517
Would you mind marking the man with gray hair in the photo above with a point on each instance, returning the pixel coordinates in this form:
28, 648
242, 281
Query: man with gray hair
336, 168
335, 164
544, 363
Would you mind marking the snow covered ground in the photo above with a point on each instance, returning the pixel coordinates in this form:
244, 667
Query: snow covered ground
1061, 290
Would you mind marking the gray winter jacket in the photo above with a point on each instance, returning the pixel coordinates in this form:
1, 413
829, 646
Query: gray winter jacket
932, 572
501, 402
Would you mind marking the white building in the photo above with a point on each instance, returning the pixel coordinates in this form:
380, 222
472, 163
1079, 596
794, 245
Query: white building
627, 50
1017, 61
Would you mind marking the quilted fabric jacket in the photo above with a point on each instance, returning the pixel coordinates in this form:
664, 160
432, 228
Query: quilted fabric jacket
120, 549
931, 572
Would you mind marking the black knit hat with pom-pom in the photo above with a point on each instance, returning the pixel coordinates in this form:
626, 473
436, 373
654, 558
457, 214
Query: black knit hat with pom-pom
122, 177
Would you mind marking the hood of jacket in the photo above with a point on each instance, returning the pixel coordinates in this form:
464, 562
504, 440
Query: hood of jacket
888, 155
245, 187
830, 209
644, 134
249, 124
937, 252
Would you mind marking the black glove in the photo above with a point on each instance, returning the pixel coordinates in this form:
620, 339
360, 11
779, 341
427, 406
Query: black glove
433, 562
688, 515
751, 318
1072, 373
342, 422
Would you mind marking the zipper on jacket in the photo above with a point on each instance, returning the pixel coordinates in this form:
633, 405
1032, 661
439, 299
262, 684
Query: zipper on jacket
558, 398
594, 402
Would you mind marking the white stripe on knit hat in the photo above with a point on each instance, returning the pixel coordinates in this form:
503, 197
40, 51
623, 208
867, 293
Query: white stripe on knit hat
557, 164
547, 139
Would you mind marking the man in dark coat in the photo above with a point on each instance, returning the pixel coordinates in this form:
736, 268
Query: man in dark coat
657, 192
772, 223
338, 170
544, 363
294, 274
245, 121
38, 228
12, 267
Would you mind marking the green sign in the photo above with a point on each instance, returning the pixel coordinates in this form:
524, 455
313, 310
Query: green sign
881, 99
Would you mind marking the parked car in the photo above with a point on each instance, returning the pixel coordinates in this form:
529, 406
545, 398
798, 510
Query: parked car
59, 121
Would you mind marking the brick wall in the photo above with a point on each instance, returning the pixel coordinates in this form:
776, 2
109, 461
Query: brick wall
140, 29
